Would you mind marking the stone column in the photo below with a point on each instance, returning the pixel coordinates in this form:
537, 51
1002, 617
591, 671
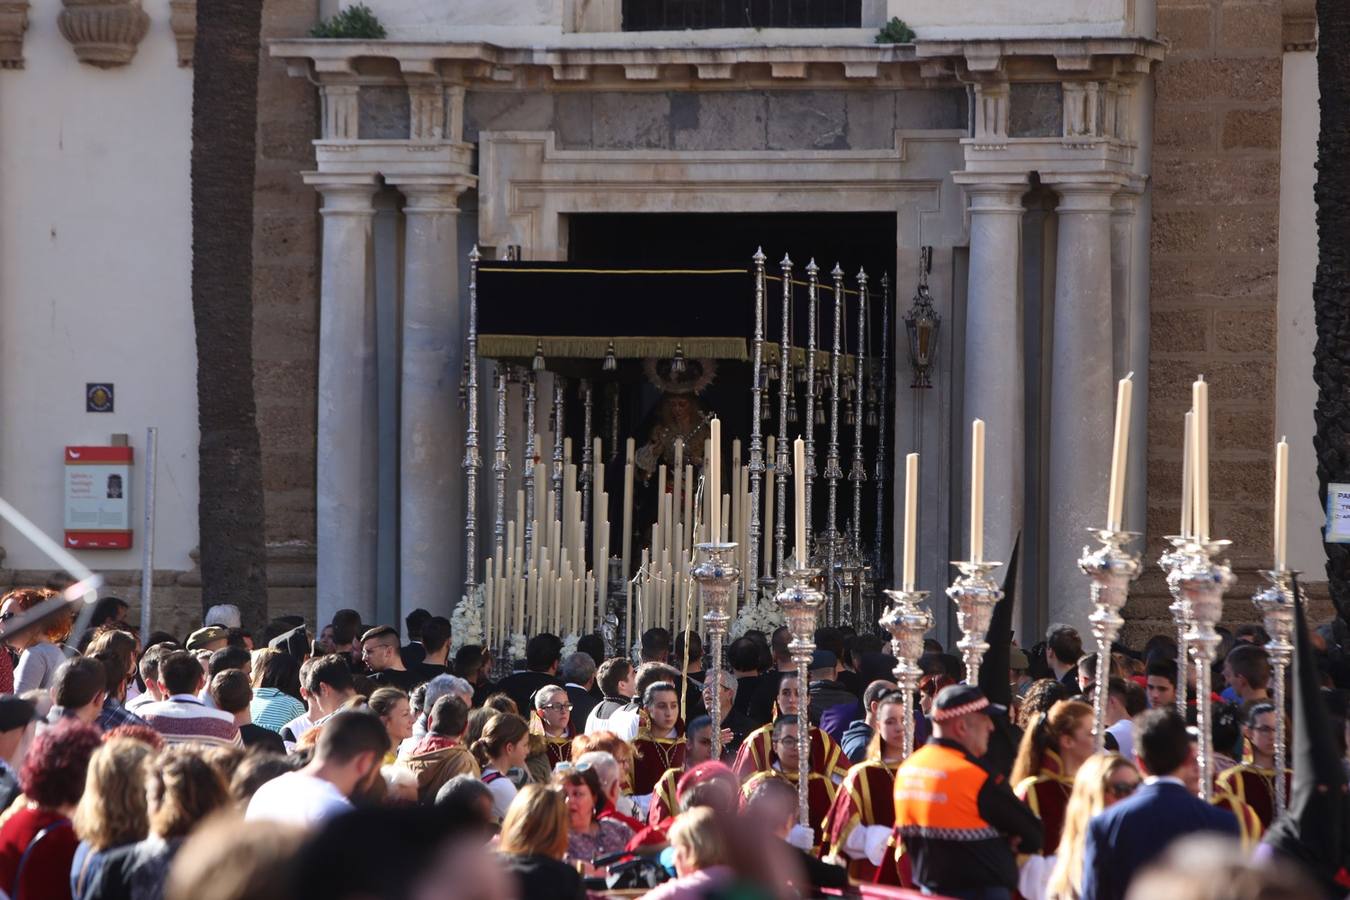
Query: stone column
1082, 391
430, 483
348, 465
994, 378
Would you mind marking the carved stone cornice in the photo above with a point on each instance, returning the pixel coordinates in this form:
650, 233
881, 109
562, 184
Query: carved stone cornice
13, 24
1299, 22
183, 21
104, 33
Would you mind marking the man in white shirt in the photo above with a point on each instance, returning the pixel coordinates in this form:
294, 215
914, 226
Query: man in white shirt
346, 761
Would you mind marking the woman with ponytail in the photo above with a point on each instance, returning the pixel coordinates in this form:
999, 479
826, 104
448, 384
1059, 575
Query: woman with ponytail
503, 746
1054, 746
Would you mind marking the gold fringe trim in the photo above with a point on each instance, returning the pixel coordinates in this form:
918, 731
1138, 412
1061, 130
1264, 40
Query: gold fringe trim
523, 346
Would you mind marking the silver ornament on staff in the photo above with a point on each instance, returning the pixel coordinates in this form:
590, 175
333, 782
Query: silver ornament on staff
800, 602
908, 620
1276, 605
1111, 569
717, 576
975, 595
1180, 608
1204, 581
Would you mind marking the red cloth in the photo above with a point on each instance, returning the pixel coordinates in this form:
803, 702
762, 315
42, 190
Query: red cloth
610, 812
6, 672
47, 872
433, 742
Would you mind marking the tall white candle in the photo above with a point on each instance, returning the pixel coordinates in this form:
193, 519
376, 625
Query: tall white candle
1120, 450
714, 487
1281, 504
1187, 474
1200, 476
911, 518
799, 503
977, 491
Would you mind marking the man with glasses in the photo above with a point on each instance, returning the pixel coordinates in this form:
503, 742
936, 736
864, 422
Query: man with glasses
554, 709
756, 753
1254, 782
380, 653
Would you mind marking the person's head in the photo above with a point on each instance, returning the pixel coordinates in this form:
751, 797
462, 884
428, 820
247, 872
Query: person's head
328, 680
1259, 728
501, 703
888, 715
1043, 694
346, 626
1064, 647
542, 653
415, 621
578, 668
698, 841
535, 823
873, 693
394, 710
117, 651
711, 784
1102, 780
208, 639
1208, 866
449, 717
275, 669
448, 685
1247, 670
256, 769
1161, 743
785, 731
223, 614
585, 797
231, 691
53, 629
17, 718
352, 744
606, 741
1161, 683
180, 673
695, 647
725, 684
1251, 633
616, 677
149, 667
379, 649
466, 792
788, 698
54, 771
650, 673
504, 744
661, 702
80, 686
698, 741
607, 769
553, 707
655, 645
436, 636
182, 788
229, 657
778, 647
112, 811
743, 655
1087, 671
108, 611
593, 645
222, 861
772, 805
1066, 730
961, 713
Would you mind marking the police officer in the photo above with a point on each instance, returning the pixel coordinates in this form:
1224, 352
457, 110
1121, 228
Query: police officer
961, 824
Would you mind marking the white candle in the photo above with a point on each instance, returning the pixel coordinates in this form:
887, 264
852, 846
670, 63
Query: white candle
1120, 451
1281, 504
799, 502
714, 483
1188, 489
627, 537
678, 483
911, 518
977, 491
1200, 476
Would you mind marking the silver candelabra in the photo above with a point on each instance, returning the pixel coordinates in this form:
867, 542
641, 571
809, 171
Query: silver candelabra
1111, 569
908, 620
1170, 562
1276, 605
717, 577
800, 602
975, 595
1203, 581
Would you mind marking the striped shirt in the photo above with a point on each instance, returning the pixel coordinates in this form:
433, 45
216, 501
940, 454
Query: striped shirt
272, 708
184, 719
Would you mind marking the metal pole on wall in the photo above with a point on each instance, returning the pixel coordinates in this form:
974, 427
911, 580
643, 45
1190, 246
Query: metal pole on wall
148, 538
473, 461
756, 466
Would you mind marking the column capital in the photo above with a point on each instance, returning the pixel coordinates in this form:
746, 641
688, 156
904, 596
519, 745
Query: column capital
1085, 193
431, 195
992, 193
344, 194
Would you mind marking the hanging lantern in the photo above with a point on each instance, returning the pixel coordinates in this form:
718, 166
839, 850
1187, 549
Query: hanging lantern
538, 364
923, 324
677, 362
611, 363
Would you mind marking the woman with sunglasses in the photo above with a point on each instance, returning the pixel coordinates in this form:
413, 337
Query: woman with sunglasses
588, 836
1102, 780
859, 824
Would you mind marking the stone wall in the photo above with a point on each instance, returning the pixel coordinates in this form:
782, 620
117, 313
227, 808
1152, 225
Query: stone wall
1216, 168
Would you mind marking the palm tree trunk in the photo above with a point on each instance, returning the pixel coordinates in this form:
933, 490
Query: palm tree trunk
224, 119
1331, 289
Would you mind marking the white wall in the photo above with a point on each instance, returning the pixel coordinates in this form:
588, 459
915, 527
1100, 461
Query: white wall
1295, 392
95, 257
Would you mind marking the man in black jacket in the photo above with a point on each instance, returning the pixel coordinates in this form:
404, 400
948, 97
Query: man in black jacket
578, 675
542, 654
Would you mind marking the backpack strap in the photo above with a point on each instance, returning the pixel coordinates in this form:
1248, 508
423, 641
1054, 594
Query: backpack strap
59, 824
492, 776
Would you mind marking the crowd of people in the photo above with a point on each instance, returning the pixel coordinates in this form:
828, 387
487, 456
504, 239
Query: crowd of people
363, 761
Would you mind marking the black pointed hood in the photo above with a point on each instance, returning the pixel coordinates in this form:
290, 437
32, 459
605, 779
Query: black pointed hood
1313, 829
993, 680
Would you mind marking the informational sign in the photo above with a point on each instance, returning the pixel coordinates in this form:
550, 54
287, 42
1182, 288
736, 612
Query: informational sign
1338, 514
98, 397
98, 485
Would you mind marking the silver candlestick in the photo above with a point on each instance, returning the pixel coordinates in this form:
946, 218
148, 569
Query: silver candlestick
717, 577
975, 595
783, 454
908, 621
1276, 605
473, 460
755, 467
1170, 562
1203, 581
800, 602
1111, 569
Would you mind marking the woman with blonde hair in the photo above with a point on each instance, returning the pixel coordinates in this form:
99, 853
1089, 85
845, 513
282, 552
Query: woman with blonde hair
1053, 746
112, 811
1101, 781
533, 841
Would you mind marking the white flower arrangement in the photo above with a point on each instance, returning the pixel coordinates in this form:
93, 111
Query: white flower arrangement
466, 622
515, 647
570, 644
762, 615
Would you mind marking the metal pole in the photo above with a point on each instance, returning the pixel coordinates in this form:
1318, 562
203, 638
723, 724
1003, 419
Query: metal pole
832, 471
148, 540
782, 466
716, 575
857, 474
500, 466
809, 419
879, 479
559, 412
1276, 604
587, 461
1111, 569
527, 462
472, 460
756, 465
